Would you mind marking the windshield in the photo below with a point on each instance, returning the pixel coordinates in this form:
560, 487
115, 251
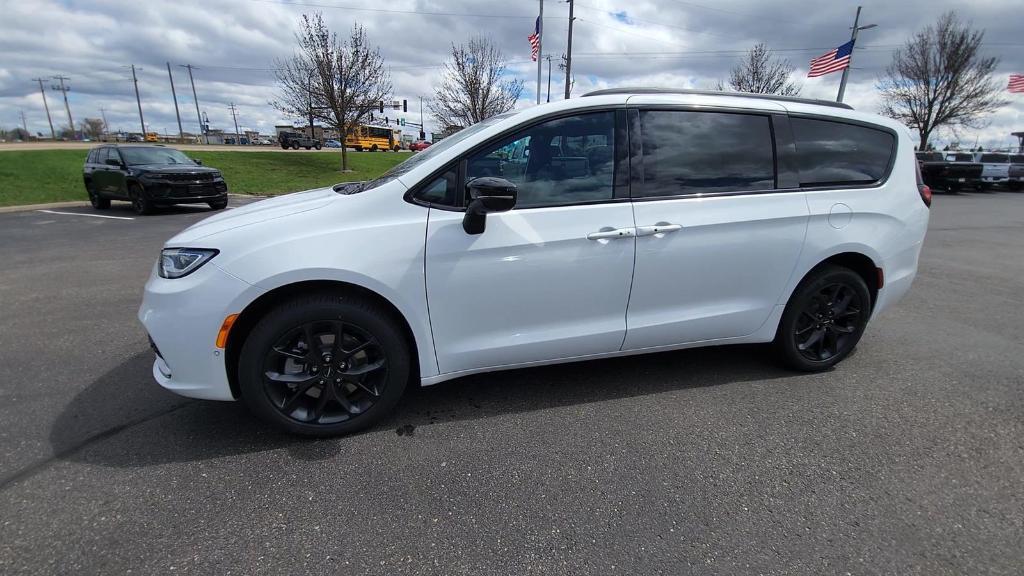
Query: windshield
138, 156
433, 150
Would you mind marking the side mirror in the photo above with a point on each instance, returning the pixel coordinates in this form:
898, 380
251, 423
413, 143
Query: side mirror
197, 161
487, 194
113, 162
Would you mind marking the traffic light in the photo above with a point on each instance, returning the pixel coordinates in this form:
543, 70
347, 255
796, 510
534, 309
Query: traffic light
405, 105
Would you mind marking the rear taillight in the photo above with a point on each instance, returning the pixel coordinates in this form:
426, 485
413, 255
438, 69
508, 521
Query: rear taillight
922, 188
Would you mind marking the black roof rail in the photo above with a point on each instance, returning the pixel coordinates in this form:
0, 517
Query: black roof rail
816, 102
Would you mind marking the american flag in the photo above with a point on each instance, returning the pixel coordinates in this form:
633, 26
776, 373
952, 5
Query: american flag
535, 41
832, 61
1016, 83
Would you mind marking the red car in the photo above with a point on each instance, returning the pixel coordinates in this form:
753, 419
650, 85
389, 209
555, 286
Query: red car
419, 145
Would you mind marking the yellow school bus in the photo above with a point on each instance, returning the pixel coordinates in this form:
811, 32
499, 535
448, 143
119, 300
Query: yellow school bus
152, 137
374, 138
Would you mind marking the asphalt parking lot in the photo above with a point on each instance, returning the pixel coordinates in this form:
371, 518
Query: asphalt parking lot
906, 459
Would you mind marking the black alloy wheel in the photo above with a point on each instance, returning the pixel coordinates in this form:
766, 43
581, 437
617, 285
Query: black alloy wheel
141, 204
95, 199
824, 319
828, 321
324, 365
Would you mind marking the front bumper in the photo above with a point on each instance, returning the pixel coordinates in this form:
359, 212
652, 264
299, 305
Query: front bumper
182, 317
167, 192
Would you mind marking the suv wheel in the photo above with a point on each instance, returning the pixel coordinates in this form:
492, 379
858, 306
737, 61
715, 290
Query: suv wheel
324, 365
317, 145
218, 204
824, 319
95, 199
295, 145
140, 202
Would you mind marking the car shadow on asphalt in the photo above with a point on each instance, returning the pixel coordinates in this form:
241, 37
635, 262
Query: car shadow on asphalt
124, 419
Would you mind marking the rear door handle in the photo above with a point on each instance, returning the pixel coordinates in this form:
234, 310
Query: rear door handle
612, 233
660, 228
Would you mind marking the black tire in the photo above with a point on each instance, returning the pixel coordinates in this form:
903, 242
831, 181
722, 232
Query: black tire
317, 145
383, 356
218, 204
97, 201
373, 148
140, 201
295, 145
284, 146
359, 148
840, 322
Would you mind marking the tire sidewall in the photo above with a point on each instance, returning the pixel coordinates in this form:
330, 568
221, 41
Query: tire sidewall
323, 307
785, 339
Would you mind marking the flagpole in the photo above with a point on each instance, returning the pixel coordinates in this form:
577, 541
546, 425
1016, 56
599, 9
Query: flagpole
540, 46
846, 71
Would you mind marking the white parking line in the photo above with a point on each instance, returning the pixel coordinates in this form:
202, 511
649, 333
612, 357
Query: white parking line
81, 214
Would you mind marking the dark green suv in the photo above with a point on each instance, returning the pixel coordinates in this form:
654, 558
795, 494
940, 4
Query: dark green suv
150, 177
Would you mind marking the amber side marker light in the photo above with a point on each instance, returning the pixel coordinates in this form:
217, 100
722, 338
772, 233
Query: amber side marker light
225, 329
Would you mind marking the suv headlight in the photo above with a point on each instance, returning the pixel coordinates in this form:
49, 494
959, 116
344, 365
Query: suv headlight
178, 262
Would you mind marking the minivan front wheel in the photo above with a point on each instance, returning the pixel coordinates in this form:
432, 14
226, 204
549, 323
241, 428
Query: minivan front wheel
824, 319
324, 365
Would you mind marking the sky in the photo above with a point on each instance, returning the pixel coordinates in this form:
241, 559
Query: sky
233, 45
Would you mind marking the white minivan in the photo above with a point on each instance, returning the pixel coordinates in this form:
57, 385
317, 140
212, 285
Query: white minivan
623, 222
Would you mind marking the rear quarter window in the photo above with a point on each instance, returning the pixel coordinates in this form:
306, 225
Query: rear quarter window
832, 153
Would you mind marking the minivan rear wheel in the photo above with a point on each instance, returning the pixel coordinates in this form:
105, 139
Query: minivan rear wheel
824, 319
324, 365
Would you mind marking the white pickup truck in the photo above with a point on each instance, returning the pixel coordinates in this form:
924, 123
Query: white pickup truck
995, 168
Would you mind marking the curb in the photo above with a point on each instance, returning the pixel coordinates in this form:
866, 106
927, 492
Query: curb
82, 204
28, 207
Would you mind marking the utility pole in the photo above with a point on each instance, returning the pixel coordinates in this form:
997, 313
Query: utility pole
234, 116
423, 129
103, 114
24, 124
568, 57
540, 45
853, 39
548, 57
138, 101
199, 117
64, 90
181, 133
47, 106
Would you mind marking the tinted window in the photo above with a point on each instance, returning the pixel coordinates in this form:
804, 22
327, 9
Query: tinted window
563, 161
699, 152
140, 155
102, 155
995, 158
834, 153
1017, 159
959, 158
929, 156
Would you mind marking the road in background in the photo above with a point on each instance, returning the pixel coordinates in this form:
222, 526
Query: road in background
905, 459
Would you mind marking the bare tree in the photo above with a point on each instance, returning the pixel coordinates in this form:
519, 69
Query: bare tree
337, 82
760, 72
938, 79
474, 86
92, 128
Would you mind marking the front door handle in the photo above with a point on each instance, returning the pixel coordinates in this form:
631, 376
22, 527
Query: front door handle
659, 228
612, 233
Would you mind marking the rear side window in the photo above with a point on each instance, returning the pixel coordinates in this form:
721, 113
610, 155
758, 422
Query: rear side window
686, 152
91, 158
835, 153
995, 158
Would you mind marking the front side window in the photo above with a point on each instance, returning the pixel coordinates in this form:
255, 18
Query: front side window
563, 161
687, 152
835, 153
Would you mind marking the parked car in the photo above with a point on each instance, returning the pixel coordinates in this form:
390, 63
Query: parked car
296, 140
995, 168
683, 219
950, 176
150, 176
965, 167
419, 145
1015, 174
332, 144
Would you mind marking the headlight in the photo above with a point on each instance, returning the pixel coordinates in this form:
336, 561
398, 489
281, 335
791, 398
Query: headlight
178, 262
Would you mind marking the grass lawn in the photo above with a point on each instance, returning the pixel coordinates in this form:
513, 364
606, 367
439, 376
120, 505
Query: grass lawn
38, 176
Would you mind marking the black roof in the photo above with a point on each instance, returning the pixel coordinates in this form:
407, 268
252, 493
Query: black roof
828, 103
